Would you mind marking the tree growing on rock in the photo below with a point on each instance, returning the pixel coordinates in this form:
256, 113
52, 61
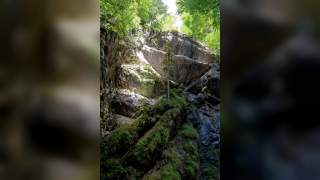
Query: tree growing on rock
168, 66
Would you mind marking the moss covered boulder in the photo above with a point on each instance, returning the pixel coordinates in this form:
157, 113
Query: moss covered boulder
131, 150
142, 79
127, 102
180, 160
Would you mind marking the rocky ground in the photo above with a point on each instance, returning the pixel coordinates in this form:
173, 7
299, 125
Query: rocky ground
156, 137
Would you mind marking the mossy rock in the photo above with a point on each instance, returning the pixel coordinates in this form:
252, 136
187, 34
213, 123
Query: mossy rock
181, 158
212, 171
188, 131
143, 79
170, 170
167, 172
125, 136
139, 145
114, 170
151, 145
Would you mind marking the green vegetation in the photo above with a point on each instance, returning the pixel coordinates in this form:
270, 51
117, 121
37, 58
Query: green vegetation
158, 143
126, 16
201, 18
202, 21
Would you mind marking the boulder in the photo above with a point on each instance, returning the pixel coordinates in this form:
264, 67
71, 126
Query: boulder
187, 70
210, 81
154, 57
207, 122
182, 45
184, 71
122, 120
201, 98
127, 103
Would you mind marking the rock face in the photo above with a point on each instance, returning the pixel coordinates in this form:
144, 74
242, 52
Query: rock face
168, 138
181, 45
206, 119
210, 81
127, 103
142, 79
122, 120
138, 150
185, 69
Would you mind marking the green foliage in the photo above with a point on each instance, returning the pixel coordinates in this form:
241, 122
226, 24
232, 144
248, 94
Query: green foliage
152, 13
209, 8
125, 16
201, 18
196, 25
202, 21
168, 23
119, 16
213, 41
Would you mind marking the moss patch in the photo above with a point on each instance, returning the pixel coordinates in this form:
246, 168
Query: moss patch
181, 159
212, 172
126, 136
170, 170
151, 145
114, 170
139, 145
188, 131
167, 172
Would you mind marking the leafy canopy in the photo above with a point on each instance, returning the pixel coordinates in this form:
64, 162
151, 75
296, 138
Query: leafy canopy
123, 16
202, 21
201, 18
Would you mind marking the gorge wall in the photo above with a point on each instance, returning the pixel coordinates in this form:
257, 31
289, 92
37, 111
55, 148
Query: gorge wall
145, 133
